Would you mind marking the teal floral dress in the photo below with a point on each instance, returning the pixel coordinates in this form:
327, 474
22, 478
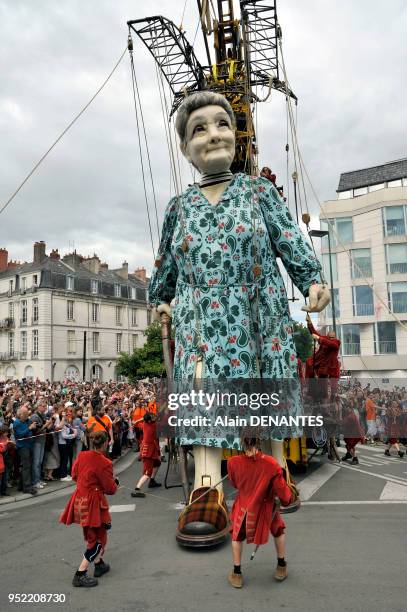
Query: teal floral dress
219, 263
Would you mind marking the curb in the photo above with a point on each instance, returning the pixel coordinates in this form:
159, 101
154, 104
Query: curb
9, 503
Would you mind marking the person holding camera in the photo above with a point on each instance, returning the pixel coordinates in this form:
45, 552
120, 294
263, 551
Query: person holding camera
23, 430
39, 442
100, 421
88, 506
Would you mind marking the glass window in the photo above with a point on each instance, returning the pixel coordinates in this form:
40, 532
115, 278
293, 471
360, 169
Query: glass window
335, 301
11, 310
376, 187
325, 264
95, 342
35, 310
11, 344
10, 287
69, 310
362, 301
385, 337
24, 283
396, 258
350, 339
71, 341
23, 344
394, 220
361, 263
148, 317
24, 312
396, 183
117, 291
359, 191
35, 280
69, 283
133, 293
118, 315
134, 341
344, 195
35, 343
398, 296
95, 313
134, 317
94, 286
118, 343
344, 229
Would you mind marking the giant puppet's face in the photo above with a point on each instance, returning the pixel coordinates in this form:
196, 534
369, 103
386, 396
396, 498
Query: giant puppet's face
210, 139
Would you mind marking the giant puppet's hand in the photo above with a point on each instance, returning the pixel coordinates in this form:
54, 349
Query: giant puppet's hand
319, 298
161, 309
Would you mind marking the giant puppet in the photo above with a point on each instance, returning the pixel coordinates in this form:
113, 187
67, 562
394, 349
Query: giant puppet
217, 274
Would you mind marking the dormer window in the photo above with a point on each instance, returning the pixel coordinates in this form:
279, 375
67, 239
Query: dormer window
69, 283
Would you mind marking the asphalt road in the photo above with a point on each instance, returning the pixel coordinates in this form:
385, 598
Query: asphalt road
346, 550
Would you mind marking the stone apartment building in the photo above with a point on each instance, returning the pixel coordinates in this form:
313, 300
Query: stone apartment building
68, 317
370, 220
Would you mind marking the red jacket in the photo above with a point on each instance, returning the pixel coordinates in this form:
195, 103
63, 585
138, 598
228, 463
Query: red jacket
326, 357
150, 446
88, 505
258, 480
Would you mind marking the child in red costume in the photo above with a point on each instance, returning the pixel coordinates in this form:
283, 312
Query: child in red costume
150, 454
259, 479
88, 506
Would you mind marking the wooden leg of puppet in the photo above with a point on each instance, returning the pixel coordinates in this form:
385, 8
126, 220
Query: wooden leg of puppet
207, 466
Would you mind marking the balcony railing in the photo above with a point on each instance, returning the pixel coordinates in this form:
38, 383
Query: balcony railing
34, 354
7, 323
34, 320
396, 228
400, 305
363, 310
398, 268
385, 347
23, 322
23, 354
361, 269
351, 348
8, 356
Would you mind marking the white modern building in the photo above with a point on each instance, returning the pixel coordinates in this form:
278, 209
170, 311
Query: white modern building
369, 247
68, 317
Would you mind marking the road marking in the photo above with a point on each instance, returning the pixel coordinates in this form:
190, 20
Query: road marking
399, 478
123, 508
394, 491
355, 469
365, 463
310, 485
353, 503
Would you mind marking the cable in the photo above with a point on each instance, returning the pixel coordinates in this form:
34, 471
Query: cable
11, 198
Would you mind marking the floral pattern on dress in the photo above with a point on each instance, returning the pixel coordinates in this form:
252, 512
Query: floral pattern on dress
230, 304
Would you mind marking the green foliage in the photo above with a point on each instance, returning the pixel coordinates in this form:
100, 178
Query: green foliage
145, 361
303, 341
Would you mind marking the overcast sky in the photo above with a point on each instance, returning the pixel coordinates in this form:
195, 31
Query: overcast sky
346, 62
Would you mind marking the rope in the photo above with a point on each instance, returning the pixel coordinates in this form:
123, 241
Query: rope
74, 120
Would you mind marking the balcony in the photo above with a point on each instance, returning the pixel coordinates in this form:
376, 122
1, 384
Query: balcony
8, 356
34, 354
34, 320
351, 348
395, 228
23, 355
7, 323
385, 347
23, 322
363, 310
398, 268
400, 305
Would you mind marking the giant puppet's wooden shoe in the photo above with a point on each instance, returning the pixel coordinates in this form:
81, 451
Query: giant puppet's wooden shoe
204, 522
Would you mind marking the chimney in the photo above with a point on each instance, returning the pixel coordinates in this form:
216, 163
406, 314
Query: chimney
123, 271
39, 252
73, 259
3, 259
54, 254
140, 273
104, 266
92, 264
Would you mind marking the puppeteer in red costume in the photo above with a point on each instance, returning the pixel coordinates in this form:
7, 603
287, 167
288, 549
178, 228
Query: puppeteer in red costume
324, 363
150, 454
88, 506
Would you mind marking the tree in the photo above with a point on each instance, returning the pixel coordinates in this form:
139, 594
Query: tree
303, 341
145, 361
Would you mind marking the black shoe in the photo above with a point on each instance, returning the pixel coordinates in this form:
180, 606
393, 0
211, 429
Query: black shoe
401, 454
355, 461
31, 491
101, 568
346, 457
387, 452
138, 493
153, 484
84, 581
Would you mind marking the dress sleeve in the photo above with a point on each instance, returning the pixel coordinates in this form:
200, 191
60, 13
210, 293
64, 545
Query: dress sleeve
165, 273
287, 240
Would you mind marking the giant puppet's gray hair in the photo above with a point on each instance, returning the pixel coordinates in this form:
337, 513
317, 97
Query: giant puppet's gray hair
195, 101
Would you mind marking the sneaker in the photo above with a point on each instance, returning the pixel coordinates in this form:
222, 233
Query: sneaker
44, 484
101, 568
400, 454
153, 484
66, 479
346, 457
387, 452
138, 493
236, 580
38, 486
84, 581
355, 461
281, 572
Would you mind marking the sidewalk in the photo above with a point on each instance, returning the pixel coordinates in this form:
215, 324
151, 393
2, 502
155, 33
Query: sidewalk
121, 463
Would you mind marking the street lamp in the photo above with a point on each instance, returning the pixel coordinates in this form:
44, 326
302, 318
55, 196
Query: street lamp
321, 234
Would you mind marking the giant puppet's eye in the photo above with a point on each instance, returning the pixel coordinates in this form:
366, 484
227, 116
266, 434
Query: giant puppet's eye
224, 123
198, 128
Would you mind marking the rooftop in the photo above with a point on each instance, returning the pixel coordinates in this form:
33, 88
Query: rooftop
390, 171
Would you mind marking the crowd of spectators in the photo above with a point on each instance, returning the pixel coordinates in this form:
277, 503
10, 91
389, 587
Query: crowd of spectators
44, 426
